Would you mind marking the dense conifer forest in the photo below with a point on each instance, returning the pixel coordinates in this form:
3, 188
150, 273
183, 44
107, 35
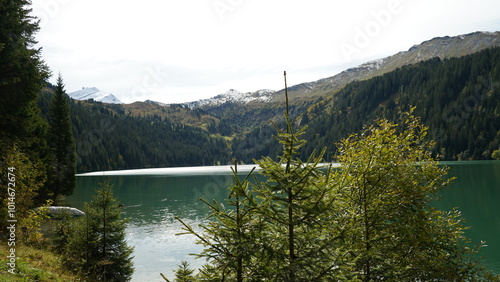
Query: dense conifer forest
108, 139
458, 98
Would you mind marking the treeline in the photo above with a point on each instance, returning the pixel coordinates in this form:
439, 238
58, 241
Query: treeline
108, 139
458, 98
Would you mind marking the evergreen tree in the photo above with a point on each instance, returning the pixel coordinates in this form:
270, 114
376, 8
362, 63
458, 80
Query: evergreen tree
184, 273
22, 71
62, 147
22, 130
294, 204
230, 235
97, 246
278, 230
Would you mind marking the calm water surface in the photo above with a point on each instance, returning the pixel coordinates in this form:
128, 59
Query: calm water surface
476, 193
153, 198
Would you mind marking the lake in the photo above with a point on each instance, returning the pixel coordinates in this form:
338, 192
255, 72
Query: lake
154, 197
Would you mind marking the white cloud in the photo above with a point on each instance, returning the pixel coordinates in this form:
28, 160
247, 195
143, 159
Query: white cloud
176, 51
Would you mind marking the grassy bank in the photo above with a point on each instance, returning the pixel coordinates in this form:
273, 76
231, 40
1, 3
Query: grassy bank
34, 264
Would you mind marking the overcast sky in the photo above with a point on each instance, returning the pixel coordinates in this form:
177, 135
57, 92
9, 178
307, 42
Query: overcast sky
184, 50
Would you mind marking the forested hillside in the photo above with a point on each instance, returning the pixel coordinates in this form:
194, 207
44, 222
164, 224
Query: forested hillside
108, 139
458, 98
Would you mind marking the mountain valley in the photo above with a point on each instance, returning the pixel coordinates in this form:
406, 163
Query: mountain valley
452, 81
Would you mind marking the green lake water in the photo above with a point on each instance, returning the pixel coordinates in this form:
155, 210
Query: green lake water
476, 193
153, 198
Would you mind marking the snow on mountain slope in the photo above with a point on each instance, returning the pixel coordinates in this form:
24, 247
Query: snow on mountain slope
442, 47
233, 96
87, 93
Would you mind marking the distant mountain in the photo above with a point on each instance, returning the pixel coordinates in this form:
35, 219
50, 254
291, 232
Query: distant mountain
233, 96
442, 47
262, 105
88, 93
457, 98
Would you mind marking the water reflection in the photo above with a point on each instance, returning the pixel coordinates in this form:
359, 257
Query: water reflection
151, 205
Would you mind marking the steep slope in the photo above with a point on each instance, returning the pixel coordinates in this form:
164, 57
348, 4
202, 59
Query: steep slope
248, 114
458, 98
260, 106
442, 47
174, 113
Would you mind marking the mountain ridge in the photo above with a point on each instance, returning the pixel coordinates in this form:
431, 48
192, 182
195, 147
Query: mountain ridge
457, 98
232, 96
264, 105
442, 47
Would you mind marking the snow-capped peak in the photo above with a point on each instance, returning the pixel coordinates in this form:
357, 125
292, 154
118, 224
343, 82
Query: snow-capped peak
87, 93
233, 96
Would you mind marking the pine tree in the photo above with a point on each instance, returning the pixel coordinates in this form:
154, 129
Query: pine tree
299, 236
279, 229
97, 246
62, 146
230, 236
369, 220
184, 273
22, 76
22, 71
